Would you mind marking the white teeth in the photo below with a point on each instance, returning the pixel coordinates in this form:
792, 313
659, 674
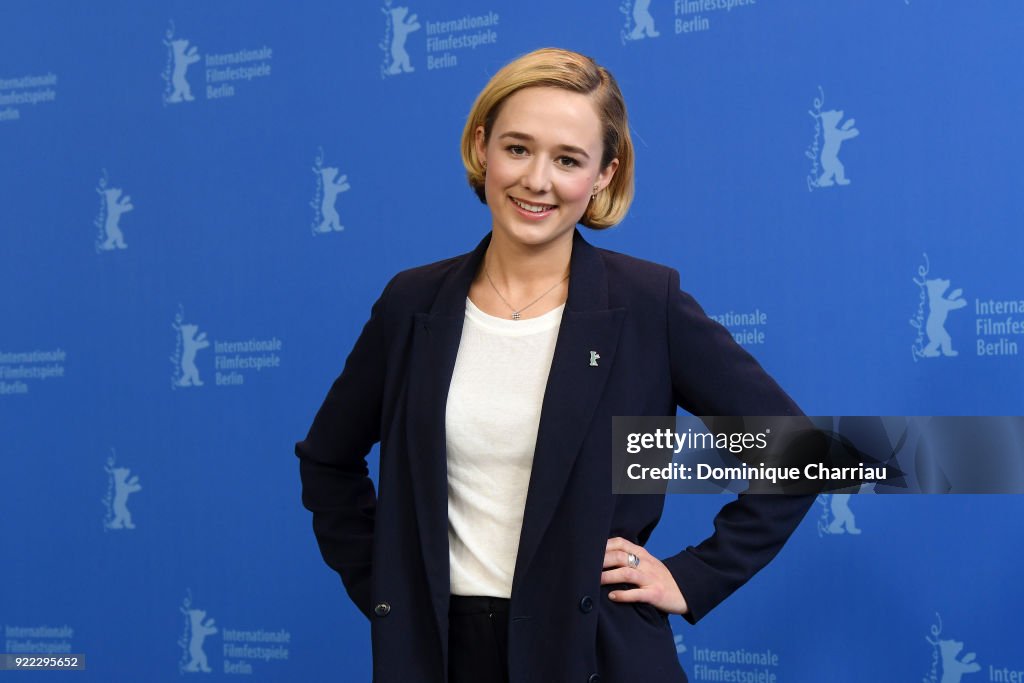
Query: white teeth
534, 208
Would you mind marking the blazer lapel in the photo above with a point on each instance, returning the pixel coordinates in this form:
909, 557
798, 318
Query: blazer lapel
435, 345
584, 353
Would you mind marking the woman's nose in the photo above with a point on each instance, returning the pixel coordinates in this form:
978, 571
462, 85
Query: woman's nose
538, 175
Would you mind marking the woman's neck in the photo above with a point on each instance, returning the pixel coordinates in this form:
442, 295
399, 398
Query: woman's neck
517, 268
517, 278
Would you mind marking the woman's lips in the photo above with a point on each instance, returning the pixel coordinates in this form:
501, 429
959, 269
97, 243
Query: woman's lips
531, 214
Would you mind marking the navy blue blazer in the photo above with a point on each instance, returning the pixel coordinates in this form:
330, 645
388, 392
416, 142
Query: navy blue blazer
658, 350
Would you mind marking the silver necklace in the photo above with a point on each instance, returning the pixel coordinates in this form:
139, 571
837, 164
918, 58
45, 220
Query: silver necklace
515, 313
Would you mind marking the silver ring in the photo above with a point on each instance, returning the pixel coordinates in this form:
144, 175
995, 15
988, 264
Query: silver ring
632, 560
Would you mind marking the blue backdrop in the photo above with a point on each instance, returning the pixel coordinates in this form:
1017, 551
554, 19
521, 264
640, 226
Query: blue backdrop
201, 200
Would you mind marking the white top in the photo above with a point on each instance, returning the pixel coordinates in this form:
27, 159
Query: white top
491, 420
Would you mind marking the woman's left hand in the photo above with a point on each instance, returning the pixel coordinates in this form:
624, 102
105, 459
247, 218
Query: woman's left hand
654, 582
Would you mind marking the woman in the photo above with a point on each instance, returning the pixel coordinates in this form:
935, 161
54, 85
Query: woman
496, 550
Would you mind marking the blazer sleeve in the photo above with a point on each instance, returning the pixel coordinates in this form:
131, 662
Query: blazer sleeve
712, 375
336, 486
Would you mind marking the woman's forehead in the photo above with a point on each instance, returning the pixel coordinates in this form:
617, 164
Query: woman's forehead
543, 113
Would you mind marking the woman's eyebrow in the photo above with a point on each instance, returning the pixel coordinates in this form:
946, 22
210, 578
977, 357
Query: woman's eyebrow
529, 138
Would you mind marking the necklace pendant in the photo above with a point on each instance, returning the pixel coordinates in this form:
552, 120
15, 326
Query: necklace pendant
515, 315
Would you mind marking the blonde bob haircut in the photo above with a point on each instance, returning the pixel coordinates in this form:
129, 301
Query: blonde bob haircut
572, 71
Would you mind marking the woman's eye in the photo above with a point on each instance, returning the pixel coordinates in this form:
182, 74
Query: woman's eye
569, 161
516, 150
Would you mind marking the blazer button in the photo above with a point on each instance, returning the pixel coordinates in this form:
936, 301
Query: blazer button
594, 678
382, 610
586, 604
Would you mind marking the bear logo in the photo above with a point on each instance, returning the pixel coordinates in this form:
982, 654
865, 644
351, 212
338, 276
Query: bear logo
333, 183
842, 519
939, 307
199, 630
643, 22
401, 26
192, 344
183, 58
953, 669
833, 171
123, 487
115, 205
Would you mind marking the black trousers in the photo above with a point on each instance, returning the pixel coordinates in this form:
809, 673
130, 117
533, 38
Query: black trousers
477, 640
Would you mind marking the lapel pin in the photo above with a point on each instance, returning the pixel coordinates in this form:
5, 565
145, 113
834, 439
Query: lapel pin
594, 355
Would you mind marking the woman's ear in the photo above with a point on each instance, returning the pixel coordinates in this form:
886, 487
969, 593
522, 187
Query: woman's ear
481, 147
604, 178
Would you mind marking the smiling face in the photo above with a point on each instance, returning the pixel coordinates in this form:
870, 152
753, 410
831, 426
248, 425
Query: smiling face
543, 162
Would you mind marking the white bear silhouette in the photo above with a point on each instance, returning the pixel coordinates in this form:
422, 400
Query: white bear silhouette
333, 182
842, 515
116, 205
123, 487
938, 310
192, 344
401, 27
643, 21
953, 669
834, 135
195, 645
183, 58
